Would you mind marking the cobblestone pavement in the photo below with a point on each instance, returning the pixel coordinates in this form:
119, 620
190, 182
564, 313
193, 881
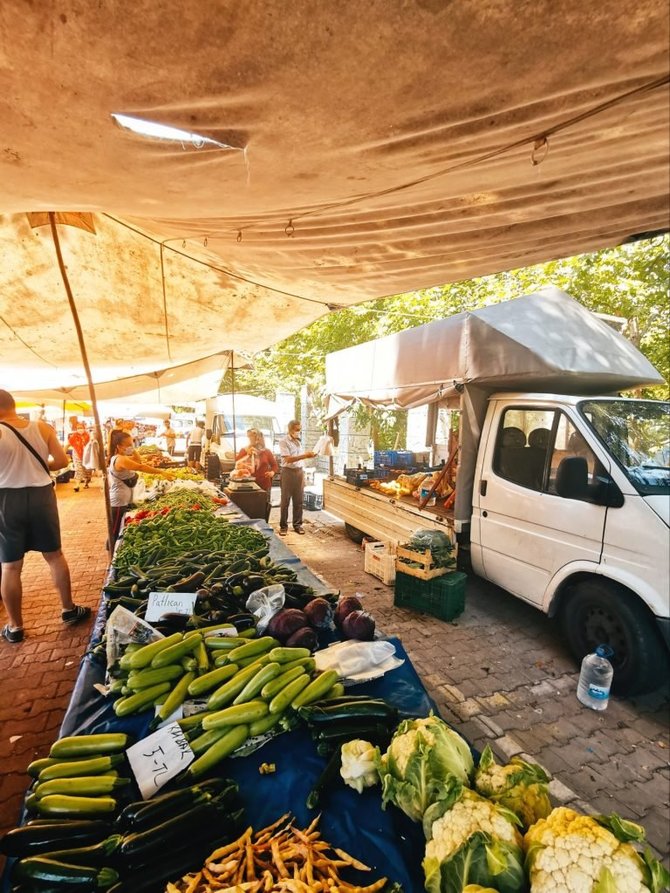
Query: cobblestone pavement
38, 674
499, 674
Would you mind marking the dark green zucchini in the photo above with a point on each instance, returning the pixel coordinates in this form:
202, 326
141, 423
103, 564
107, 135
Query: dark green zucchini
187, 825
43, 836
145, 814
42, 869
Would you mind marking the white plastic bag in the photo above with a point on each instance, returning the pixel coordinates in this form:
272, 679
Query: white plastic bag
324, 446
123, 627
265, 603
358, 661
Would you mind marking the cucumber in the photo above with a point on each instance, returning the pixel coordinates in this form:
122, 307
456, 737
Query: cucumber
316, 690
73, 768
233, 739
283, 699
236, 715
79, 746
84, 786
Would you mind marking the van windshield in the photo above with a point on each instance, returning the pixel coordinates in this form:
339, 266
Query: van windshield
243, 423
636, 433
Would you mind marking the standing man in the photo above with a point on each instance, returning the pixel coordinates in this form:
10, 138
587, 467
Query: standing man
170, 436
194, 440
29, 513
292, 477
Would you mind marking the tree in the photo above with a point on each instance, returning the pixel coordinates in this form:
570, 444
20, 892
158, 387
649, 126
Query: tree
629, 281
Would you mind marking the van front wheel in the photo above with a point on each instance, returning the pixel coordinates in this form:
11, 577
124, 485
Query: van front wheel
602, 613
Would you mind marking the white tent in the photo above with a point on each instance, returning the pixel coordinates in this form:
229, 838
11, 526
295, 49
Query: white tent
541, 342
330, 153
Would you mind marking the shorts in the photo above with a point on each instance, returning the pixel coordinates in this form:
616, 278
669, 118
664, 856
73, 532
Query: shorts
194, 453
28, 521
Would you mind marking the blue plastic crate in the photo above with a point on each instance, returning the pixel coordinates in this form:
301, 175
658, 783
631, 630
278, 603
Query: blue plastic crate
383, 457
403, 458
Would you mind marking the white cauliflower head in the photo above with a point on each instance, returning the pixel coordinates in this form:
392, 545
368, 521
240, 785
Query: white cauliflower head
358, 767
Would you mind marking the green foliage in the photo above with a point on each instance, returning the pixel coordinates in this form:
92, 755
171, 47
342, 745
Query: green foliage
628, 281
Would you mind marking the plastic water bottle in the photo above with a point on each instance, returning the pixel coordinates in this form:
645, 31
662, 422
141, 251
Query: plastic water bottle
595, 678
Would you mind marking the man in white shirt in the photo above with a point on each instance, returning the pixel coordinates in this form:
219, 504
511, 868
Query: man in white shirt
29, 514
194, 440
292, 477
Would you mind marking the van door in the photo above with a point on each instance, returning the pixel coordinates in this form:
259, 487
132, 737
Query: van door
528, 532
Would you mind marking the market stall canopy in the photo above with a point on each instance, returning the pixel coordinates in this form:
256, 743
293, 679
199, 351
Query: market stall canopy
173, 386
330, 153
541, 342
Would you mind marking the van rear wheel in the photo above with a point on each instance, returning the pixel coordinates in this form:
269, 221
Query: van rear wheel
603, 613
354, 533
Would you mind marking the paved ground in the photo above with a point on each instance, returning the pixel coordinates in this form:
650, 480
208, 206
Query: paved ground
499, 673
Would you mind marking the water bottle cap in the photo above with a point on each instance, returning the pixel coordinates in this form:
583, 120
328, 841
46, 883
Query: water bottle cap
604, 651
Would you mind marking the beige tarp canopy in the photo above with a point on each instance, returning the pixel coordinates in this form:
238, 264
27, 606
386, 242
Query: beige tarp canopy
541, 342
349, 150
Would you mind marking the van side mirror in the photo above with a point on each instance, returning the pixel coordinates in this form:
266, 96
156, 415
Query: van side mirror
572, 478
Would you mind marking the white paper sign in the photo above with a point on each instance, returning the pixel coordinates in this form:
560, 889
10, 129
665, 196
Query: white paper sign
161, 603
156, 759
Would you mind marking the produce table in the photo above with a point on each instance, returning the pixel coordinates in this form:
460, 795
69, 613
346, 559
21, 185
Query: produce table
386, 840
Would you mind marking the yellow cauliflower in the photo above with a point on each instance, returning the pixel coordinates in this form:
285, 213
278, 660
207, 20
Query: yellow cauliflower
572, 853
519, 786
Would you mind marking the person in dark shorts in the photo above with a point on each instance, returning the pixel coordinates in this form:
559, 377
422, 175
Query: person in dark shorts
194, 440
29, 513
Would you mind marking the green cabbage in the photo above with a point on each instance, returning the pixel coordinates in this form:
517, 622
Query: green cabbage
424, 762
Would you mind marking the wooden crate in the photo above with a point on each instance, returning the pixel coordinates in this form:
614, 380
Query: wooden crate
426, 571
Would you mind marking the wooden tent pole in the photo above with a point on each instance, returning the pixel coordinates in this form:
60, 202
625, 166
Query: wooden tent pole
89, 378
232, 390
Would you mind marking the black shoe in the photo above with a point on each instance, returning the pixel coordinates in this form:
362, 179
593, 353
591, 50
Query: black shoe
79, 612
300, 530
12, 635
283, 531
76, 489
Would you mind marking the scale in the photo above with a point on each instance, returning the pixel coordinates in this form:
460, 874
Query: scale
243, 484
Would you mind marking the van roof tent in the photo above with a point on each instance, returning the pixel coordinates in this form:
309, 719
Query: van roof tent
342, 152
541, 342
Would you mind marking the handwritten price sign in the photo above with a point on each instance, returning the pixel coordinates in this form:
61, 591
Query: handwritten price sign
156, 759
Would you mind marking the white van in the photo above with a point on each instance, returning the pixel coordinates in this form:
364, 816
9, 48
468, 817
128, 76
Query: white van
229, 430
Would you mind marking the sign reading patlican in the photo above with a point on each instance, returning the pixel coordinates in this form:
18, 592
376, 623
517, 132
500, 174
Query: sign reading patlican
161, 603
156, 759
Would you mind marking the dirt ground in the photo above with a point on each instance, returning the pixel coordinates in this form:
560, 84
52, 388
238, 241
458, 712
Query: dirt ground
499, 673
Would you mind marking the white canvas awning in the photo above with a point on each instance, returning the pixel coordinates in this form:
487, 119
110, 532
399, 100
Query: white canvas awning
345, 151
542, 342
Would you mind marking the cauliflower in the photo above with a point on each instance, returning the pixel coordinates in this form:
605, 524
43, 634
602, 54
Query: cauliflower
519, 786
425, 759
472, 841
572, 853
358, 764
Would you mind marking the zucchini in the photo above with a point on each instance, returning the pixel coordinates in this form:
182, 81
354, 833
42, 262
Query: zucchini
43, 837
330, 773
221, 643
286, 655
175, 699
373, 708
191, 721
336, 691
253, 649
211, 680
80, 746
140, 679
64, 806
73, 768
274, 686
96, 854
285, 697
316, 690
41, 869
230, 689
263, 725
176, 652
256, 683
204, 741
141, 700
84, 786
186, 824
145, 814
146, 654
233, 739
307, 663
236, 715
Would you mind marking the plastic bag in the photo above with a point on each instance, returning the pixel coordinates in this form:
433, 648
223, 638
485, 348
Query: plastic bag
324, 446
123, 627
265, 603
358, 661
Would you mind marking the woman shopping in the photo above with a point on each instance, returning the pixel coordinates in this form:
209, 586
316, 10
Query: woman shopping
78, 439
262, 462
124, 463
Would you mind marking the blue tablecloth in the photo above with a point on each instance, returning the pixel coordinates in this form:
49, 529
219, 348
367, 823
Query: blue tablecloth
386, 840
